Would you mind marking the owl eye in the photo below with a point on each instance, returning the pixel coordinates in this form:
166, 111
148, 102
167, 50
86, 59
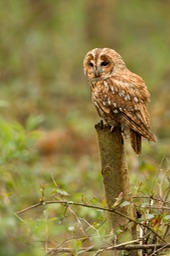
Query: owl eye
91, 64
104, 63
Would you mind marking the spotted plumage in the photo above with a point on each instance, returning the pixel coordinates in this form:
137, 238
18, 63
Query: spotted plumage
119, 95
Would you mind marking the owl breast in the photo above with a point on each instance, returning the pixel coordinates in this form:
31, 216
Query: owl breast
110, 101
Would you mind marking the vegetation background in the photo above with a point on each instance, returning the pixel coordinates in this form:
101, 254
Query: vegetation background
48, 144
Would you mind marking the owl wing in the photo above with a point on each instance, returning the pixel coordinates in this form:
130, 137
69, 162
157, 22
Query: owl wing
134, 102
136, 121
124, 104
134, 113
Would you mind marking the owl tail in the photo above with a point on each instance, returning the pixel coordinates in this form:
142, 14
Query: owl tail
136, 141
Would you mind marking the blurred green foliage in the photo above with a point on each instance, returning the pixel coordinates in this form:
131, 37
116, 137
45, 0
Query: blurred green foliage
42, 47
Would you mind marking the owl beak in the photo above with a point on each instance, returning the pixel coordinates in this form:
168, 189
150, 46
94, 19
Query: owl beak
96, 72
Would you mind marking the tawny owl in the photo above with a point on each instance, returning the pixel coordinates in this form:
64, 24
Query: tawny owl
119, 95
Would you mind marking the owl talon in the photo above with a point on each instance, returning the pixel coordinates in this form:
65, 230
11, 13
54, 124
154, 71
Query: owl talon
100, 125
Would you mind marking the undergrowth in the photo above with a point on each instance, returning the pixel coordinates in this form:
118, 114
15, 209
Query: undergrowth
40, 214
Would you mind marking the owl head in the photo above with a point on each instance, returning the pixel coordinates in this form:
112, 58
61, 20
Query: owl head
100, 63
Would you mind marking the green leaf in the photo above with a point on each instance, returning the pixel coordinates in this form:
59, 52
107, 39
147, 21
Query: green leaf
149, 216
34, 121
125, 203
166, 218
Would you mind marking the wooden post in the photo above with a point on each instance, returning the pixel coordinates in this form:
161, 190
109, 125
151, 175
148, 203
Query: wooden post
116, 180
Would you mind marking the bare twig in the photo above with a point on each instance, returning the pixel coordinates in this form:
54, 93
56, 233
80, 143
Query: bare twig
79, 222
152, 197
155, 207
93, 207
159, 249
127, 247
30, 207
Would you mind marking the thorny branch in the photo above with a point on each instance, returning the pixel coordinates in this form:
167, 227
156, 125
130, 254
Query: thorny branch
67, 203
